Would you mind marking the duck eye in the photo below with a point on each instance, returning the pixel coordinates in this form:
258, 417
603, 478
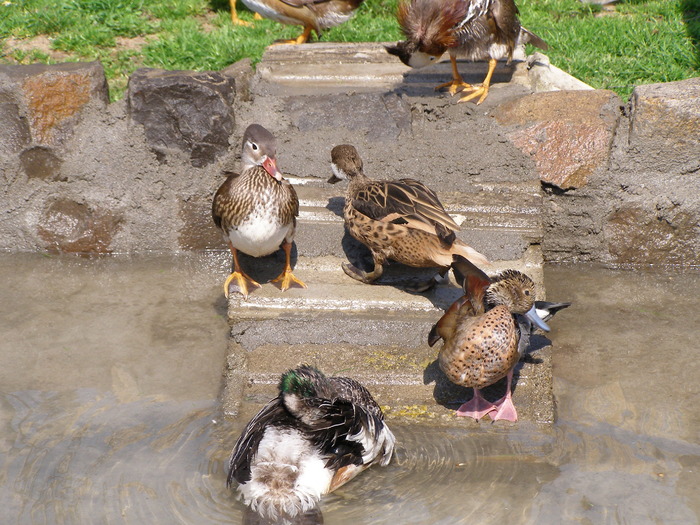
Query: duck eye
254, 146
527, 292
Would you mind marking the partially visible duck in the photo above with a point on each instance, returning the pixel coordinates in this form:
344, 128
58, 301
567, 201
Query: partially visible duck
316, 435
257, 210
485, 333
234, 16
402, 220
313, 15
473, 29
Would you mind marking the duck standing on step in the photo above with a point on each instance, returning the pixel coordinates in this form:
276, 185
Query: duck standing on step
473, 29
313, 15
485, 333
402, 220
257, 210
315, 436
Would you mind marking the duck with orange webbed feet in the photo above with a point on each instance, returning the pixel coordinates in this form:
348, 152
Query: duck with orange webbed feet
472, 29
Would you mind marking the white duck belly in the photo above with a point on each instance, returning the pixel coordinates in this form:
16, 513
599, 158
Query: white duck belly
260, 234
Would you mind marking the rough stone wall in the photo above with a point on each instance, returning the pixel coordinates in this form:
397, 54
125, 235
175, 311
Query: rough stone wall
622, 182
79, 175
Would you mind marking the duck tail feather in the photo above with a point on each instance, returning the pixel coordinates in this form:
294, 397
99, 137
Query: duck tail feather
528, 37
469, 253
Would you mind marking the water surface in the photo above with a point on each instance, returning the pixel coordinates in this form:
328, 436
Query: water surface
109, 406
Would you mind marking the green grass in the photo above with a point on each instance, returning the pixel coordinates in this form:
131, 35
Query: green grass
640, 42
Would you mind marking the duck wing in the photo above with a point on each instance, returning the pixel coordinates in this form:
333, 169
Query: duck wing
219, 204
406, 201
350, 434
247, 445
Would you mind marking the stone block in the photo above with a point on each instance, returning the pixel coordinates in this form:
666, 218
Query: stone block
52, 99
637, 235
569, 134
183, 110
242, 72
74, 227
665, 124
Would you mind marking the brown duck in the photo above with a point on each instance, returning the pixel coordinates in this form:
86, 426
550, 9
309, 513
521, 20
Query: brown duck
485, 333
257, 210
402, 220
472, 29
313, 15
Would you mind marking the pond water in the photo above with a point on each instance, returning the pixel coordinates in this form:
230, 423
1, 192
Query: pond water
109, 410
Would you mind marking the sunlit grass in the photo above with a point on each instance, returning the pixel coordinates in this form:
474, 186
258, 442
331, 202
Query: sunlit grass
639, 42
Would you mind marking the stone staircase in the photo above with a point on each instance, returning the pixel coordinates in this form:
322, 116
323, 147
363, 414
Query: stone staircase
378, 333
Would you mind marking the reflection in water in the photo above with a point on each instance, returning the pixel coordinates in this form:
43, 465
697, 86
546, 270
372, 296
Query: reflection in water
106, 416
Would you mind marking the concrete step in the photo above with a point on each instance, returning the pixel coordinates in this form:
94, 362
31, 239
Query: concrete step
319, 95
374, 333
332, 67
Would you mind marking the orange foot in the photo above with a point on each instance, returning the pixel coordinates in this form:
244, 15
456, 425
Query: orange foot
245, 284
286, 280
476, 91
301, 39
454, 86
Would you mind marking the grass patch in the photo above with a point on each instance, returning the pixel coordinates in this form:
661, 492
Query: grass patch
639, 42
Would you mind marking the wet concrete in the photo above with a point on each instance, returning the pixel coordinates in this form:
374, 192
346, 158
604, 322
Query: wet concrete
110, 408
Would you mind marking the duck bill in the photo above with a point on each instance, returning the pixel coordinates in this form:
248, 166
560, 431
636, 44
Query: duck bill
334, 179
270, 166
536, 320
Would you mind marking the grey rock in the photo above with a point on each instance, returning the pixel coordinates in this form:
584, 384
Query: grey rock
183, 110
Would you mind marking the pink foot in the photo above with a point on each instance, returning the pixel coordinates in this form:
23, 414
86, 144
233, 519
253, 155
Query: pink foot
477, 407
505, 409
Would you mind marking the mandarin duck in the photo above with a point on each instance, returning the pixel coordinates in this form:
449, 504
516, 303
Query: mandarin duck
315, 436
257, 210
402, 220
473, 29
485, 333
316, 15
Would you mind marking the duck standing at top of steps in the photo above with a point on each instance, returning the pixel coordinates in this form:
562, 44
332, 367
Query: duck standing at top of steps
474, 29
402, 220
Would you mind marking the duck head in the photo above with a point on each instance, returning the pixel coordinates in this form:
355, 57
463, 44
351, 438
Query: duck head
298, 387
510, 288
260, 149
345, 163
515, 290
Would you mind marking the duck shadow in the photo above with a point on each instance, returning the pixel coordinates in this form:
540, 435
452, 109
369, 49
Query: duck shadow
395, 274
422, 82
264, 269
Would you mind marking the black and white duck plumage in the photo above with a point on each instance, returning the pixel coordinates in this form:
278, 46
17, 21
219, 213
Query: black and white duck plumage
315, 436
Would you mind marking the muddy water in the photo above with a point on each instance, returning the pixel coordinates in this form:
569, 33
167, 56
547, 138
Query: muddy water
111, 370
